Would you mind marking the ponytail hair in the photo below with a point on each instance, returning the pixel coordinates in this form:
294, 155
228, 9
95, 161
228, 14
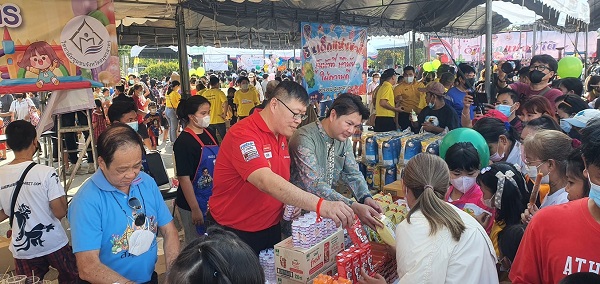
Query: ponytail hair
172, 86
427, 177
190, 106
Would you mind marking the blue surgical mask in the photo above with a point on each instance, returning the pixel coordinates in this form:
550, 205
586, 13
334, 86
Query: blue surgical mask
133, 125
565, 126
504, 109
594, 192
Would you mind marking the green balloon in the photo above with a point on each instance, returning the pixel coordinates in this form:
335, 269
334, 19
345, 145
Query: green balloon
570, 67
467, 135
428, 66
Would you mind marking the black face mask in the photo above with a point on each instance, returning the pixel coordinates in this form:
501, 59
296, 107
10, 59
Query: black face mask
470, 83
536, 76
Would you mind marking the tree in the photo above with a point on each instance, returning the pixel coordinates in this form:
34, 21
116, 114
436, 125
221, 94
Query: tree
161, 69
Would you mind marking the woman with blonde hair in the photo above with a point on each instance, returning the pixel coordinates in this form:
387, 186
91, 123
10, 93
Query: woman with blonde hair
547, 152
437, 242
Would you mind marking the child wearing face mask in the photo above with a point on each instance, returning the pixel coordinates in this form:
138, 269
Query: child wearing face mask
153, 123
464, 163
195, 152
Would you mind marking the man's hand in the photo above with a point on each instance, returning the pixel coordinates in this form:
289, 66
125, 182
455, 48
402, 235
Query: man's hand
338, 211
367, 215
197, 217
428, 126
528, 213
366, 279
369, 201
467, 101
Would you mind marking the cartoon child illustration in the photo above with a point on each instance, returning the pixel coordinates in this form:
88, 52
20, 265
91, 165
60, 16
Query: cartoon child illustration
40, 58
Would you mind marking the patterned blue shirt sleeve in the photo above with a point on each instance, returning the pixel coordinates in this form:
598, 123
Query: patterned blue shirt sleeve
306, 172
352, 176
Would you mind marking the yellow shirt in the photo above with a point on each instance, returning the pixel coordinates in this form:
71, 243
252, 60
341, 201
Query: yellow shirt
496, 229
409, 95
216, 97
172, 99
385, 92
245, 101
199, 93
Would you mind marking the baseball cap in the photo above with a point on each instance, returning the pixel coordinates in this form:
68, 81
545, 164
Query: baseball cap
582, 117
388, 73
435, 88
493, 114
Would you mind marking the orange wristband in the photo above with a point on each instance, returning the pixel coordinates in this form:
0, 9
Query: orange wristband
319, 209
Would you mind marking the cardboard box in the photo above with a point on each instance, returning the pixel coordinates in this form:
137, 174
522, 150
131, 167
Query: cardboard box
395, 189
303, 264
331, 270
6, 258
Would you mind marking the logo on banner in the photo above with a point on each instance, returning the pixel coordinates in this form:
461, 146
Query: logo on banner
84, 41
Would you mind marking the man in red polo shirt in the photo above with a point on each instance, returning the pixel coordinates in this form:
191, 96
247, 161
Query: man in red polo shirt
252, 172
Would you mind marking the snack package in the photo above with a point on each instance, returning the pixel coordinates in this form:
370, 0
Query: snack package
475, 210
357, 233
371, 154
387, 233
390, 175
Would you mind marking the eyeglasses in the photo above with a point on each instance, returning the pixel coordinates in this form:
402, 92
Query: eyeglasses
134, 203
296, 115
539, 68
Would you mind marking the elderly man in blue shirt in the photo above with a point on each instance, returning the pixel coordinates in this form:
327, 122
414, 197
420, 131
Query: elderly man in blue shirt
322, 155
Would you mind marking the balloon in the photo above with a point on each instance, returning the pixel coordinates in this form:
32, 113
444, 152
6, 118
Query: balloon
83, 7
192, 71
427, 66
200, 71
257, 67
570, 67
467, 135
436, 63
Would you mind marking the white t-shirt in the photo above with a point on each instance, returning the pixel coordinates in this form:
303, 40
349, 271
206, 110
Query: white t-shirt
21, 108
559, 197
36, 231
424, 258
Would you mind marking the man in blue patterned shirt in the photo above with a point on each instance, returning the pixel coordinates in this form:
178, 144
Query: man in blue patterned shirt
322, 155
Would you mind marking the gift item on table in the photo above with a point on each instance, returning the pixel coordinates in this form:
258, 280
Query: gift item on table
326, 279
288, 212
307, 232
357, 233
267, 261
351, 260
390, 175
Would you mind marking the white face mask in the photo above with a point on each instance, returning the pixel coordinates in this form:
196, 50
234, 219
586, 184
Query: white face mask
532, 171
463, 183
203, 122
409, 79
140, 241
497, 157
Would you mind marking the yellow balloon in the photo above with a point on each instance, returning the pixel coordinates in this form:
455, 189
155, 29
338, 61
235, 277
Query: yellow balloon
436, 63
200, 71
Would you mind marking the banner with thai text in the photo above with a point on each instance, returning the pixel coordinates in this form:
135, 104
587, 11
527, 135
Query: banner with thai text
57, 44
513, 46
334, 58
250, 61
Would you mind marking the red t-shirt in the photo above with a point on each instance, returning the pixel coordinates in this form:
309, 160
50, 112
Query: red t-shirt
248, 146
560, 240
139, 104
522, 88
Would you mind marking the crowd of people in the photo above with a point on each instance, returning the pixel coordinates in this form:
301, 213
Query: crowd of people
244, 156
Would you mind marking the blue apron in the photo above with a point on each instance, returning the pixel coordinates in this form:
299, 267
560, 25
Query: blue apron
203, 181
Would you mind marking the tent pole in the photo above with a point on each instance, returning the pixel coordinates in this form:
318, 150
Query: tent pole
488, 50
534, 39
413, 60
182, 51
585, 56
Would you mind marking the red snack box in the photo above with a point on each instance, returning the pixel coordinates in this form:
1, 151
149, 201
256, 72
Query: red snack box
356, 266
357, 233
344, 265
369, 259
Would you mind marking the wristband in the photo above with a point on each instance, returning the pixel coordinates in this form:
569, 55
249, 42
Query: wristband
319, 209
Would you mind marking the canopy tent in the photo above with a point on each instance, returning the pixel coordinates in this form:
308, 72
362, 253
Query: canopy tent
274, 24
